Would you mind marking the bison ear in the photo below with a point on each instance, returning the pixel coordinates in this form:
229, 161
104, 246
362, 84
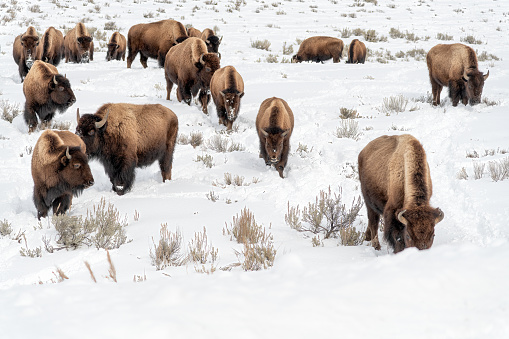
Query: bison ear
440, 215
401, 218
487, 75
198, 65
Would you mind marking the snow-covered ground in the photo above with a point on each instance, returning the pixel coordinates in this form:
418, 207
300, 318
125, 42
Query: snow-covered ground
457, 289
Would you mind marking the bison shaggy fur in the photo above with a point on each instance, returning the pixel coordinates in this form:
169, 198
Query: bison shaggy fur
153, 40
227, 88
356, 52
51, 49
59, 170
319, 49
455, 66
191, 67
78, 44
24, 51
126, 136
396, 183
193, 32
274, 125
116, 47
46, 91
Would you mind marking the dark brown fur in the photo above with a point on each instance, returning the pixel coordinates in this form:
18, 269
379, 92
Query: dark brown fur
58, 176
211, 40
154, 40
116, 47
227, 88
191, 67
455, 66
356, 52
24, 51
46, 91
319, 49
51, 49
396, 183
132, 136
78, 45
274, 125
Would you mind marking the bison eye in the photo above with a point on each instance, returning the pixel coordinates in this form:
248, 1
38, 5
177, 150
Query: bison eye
208, 69
60, 88
91, 132
76, 166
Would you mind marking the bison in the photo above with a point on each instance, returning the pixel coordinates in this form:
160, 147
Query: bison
79, 46
319, 49
51, 49
191, 67
274, 124
227, 88
126, 136
59, 170
46, 91
116, 47
211, 40
396, 183
455, 66
193, 32
154, 40
356, 52
24, 51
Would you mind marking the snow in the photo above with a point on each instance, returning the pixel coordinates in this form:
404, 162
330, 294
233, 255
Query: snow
456, 289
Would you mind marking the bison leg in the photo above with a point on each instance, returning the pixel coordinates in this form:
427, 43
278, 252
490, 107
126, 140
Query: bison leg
221, 114
130, 57
40, 205
394, 230
62, 204
204, 99
161, 59
23, 69
185, 92
143, 60
169, 86
263, 151
30, 117
372, 230
436, 89
280, 166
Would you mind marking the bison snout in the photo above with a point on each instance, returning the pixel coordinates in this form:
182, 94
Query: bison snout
89, 183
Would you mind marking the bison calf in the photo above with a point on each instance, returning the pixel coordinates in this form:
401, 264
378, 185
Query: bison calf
356, 52
396, 183
319, 49
455, 66
191, 67
227, 88
24, 51
59, 170
116, 47
125, 136
274, 125
45, 91
78, 45
51, 48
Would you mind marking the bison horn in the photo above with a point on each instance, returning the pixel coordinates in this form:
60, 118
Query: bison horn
207, 41
219, 55
78, 115
487, 75
465, 76
223, 94
201, 59
67, 153
55, 80
440, 216
221, 39
101, 123
285, 133
265, 133
401, 218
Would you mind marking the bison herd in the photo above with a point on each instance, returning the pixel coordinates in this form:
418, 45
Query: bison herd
393, 170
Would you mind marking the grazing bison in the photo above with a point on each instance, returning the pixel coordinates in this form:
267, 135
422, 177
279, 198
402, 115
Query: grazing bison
78, 45
191, 67
46, 91
51, 49
356, 52
211, 40
274, 124
227, 88
125, 136
59, 170
193, 32
396, 184
24, 51
455, 66
319, 49
116, 47
154, 40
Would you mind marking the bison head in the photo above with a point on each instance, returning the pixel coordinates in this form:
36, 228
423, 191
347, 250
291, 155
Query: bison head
274, 139
207, 65
213, 44
296, 58
60, 91
29, 43
90, 126
74, 171
231, 103
83, 43
419, 227
112, 51
474, 83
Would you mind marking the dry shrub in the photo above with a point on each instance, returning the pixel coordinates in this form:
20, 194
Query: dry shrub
261, 44
499, 170
245, 230
168, 250
255, 257
200, 249
478, 169
207, 160
348, 128
394, 104
223, 145
5, 228
346, 113
9, 111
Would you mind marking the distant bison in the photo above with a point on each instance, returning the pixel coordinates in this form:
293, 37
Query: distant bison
24, 51
126, 136
193, 32
79, 46
227, 88
274, 125
51, 49
116, 47
154, 40
455, 66
46, 91
319, 49
191, 67
59, 170
396, 183
356, 52
211, 40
